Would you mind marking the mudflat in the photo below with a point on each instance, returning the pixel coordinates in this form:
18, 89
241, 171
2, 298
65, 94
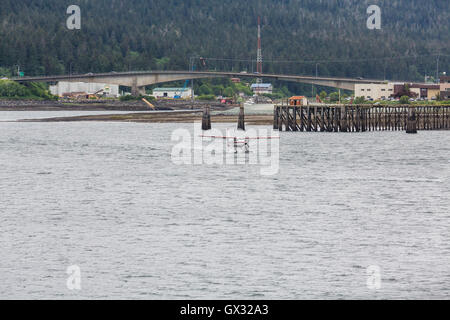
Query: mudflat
162, 117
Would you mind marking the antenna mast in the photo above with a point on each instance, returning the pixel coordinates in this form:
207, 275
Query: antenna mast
259, 59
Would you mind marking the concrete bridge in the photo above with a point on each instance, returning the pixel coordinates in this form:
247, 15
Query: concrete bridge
139, 80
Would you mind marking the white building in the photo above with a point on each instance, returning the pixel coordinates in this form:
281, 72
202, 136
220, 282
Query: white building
262, 88
374, 91
172, 93
66, 88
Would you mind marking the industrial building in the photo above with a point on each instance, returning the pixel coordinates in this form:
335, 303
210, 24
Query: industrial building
373, 91
444, 87
172, 93
62, 89
262, 88
387, 90
425, 91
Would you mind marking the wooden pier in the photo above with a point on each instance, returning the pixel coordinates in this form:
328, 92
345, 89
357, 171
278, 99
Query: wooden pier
361, 118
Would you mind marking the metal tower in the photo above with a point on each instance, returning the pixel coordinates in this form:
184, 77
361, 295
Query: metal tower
259, 59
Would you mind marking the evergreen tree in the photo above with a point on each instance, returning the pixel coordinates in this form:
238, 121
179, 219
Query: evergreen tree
124, 35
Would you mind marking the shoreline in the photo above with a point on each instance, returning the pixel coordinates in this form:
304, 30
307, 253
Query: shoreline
106, 105
161, 117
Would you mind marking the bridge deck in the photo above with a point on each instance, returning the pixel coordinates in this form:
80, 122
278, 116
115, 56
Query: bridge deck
145, 78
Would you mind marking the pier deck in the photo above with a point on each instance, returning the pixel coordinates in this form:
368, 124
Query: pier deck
360, 118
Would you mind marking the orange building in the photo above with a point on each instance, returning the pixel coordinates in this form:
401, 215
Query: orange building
298, 101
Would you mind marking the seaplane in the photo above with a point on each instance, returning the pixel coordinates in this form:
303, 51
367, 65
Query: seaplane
239, 143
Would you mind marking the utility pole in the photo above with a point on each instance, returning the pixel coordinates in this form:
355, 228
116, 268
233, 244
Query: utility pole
192, 69
191, 65
437, 69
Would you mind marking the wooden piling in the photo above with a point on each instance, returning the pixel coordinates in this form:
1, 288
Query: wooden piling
241, 121
276, 114
412, 122
206, 120
309, 123
343, 119
294, 122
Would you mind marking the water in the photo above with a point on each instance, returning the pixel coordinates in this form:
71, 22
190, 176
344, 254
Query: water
107, 198
6, 116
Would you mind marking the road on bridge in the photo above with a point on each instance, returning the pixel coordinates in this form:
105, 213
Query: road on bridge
138, 80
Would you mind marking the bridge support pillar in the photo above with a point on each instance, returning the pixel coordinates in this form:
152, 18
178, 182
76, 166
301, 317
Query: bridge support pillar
137, 91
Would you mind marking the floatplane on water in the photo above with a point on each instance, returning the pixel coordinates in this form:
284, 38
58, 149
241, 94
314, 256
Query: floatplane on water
240, 143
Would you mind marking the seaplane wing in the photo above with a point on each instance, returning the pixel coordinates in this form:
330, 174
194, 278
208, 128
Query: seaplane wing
239, 138
240, 142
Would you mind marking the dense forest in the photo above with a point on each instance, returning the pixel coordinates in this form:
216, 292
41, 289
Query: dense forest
298, 36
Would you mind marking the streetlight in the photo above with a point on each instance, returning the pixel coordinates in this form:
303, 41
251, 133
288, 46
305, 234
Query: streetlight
317, 75
192, 67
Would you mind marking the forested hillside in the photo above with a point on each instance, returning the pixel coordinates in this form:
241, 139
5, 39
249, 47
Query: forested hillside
119, 35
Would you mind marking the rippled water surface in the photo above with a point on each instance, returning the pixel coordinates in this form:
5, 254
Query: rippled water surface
107, 198
6, 116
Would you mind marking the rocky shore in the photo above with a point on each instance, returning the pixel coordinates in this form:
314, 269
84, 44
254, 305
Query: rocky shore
103, 105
